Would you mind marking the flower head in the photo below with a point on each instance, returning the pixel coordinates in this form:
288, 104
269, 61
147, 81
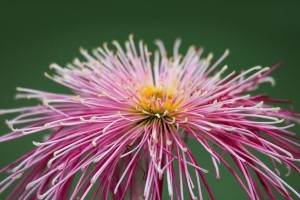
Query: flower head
123, 131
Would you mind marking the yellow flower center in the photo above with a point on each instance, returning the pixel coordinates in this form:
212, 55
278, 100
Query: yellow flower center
157, 99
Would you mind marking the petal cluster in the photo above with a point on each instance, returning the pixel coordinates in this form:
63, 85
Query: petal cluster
123, 130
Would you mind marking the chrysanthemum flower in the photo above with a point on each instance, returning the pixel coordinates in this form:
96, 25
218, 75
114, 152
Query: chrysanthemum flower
123, 132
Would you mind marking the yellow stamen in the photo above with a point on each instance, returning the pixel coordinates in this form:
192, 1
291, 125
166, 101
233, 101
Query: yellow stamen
157, 99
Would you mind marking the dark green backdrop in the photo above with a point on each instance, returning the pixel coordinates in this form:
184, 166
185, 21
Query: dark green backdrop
33, 35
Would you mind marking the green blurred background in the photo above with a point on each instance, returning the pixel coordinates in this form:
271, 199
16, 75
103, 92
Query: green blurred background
35, 34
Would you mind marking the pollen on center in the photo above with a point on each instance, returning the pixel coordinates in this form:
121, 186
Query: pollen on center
157, 99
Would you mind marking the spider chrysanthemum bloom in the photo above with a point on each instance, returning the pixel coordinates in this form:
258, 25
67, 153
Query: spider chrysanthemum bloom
123, 132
